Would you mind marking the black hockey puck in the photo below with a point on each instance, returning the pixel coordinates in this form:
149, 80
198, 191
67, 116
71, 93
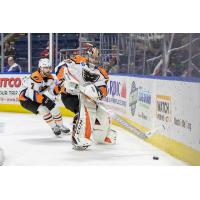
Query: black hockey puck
155, 157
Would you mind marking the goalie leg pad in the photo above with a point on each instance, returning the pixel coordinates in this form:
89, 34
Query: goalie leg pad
102, 129
102, 137
83, 125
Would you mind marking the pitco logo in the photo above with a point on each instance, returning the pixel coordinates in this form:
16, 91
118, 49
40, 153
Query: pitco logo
116, 89
10, 82
163, 108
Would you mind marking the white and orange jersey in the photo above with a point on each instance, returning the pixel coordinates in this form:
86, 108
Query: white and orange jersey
36, 85
80, 73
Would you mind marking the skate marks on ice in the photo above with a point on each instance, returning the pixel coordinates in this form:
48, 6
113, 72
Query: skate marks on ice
47, 141
29, 141
128, 151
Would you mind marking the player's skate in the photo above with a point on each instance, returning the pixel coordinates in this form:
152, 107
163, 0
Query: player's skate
80, 143
56, 130
111, 137
64, 130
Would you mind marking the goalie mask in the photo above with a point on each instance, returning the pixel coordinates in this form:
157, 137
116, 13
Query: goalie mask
45, 66
93, 52
93, 59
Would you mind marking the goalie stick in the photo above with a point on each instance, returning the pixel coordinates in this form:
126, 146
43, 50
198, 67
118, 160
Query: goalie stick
121, 121
118, 118
130, 127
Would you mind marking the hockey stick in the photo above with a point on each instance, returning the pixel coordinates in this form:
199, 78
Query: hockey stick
132, 128
121, 121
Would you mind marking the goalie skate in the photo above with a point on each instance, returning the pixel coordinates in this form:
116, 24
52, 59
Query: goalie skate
80, 144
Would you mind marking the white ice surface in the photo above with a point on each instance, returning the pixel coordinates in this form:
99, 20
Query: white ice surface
27, 140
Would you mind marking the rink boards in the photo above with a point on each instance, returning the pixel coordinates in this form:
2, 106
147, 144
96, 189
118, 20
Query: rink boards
145, 102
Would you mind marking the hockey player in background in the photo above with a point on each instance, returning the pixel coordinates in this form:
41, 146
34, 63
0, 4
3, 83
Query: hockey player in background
83, 82
32, 97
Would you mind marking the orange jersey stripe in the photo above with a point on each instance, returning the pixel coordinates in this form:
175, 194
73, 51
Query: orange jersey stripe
107, 140
50, 76
37, 77
103, 72
39, 97
78, 59
56, 90
22, 97
63, 89
60, 74
103, 91
88, 125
